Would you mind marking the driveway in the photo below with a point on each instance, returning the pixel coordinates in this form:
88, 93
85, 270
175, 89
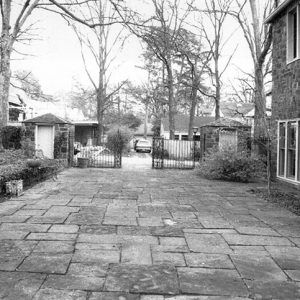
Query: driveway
149, 235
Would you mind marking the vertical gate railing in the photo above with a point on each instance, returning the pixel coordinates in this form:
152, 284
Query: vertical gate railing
98, 156
174, 154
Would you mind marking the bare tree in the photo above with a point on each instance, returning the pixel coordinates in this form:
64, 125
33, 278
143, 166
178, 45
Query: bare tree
259, 39
217, 12
101, 45
197, 60
14, 29
160, 35
243, 89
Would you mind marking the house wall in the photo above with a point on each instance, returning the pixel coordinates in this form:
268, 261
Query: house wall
286, 77
286, 83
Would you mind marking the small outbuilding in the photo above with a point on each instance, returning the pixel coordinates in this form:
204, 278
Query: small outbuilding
225, 133
53, 135
86, 132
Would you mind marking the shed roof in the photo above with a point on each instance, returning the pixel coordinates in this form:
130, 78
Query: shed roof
182, 122
224, 122
47, 119
86, 123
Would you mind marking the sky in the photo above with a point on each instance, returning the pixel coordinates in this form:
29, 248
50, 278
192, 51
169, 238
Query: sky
56, 61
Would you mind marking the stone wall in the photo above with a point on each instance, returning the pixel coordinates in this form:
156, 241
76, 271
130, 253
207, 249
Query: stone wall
286, 84
63, 140
286, 77
210, 137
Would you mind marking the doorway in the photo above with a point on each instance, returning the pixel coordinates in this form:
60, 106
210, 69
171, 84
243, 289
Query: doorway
45, 140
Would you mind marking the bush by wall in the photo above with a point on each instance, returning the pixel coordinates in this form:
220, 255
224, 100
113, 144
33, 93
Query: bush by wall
12, 137
118, 138
228, 164
14, 167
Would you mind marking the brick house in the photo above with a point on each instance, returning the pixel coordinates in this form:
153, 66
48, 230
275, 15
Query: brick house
286, 88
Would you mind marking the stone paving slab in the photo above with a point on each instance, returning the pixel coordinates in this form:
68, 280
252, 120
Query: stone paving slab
211, 282
53, 294
146, 235
74, 282
160, 279
46, 263
17, 285
260, 268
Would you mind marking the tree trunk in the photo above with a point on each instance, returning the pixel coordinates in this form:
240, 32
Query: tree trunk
145, 122
218, 87
5, 53
260, 126
99, 118
192, 110
4, 96
101, 90
171, 101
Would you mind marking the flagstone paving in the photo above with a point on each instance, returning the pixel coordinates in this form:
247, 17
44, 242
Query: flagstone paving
142, 234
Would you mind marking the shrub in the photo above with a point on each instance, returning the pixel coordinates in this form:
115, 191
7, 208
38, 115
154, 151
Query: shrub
11, 157
118, 138
28, 147
227, 164
12, 137
18, 169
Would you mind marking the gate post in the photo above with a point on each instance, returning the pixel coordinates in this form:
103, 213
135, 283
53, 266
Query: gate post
194, 154
118, 159
158, 153
71, 146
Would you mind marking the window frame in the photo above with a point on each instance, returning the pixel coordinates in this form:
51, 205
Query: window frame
289, 46
285, 176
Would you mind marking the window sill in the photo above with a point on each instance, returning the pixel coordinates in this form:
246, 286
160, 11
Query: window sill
288, 62
288, 180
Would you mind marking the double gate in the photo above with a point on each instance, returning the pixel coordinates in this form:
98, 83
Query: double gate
97, 157
166, 154
174, 154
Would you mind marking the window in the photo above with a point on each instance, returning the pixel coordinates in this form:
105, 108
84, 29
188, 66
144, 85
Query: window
293, 28
184, 137
288, 160
176, 137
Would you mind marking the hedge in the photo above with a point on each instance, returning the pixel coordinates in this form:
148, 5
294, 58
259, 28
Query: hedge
12, 137
29, 175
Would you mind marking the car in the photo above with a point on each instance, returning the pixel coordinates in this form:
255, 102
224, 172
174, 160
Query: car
143, 146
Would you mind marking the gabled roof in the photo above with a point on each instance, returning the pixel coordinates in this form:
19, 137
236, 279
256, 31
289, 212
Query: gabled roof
182, 122
224, 122
47, 119
281, 8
